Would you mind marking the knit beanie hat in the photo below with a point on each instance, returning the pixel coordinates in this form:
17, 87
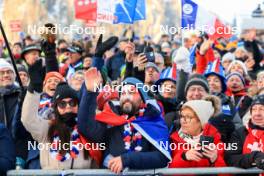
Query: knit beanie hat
5, 64
197, 79
206, 108
53, 74
238, 75
257, 100
62, 91
22, 68
139, 85
234, 62
228, 56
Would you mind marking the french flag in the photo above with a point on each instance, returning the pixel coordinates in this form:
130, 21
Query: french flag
196, 17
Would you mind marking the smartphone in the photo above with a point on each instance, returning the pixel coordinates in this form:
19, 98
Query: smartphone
150, 56
205, 141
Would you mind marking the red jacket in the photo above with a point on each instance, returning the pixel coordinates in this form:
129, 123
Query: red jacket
203, 60
179, 162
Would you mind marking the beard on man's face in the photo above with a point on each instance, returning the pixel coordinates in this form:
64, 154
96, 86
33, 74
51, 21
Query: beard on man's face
129, 108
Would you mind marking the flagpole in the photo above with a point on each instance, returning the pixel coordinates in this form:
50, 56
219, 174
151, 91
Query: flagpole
11, 56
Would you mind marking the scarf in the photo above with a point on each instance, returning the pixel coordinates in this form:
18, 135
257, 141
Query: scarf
192, 140
76, 139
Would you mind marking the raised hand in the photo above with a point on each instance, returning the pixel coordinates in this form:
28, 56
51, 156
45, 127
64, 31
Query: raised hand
102, 47
129, 50
93, 79
205, 46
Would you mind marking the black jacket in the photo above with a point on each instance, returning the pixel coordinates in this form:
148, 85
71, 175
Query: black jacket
8, 102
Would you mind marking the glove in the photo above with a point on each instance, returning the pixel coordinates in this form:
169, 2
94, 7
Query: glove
259, 160
102, 47
50, 56
36, 75
48, 48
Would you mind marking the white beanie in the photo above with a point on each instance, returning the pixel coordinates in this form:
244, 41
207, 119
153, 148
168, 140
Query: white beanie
5, 64
206, 108
228, 56
240, 63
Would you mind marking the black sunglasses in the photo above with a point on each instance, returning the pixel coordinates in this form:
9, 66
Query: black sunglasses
72, 103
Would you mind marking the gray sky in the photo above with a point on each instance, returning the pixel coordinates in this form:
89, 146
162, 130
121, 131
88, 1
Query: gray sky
227, 9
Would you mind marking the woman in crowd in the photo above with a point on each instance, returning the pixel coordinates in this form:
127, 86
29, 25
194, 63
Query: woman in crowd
62, 131
194, 116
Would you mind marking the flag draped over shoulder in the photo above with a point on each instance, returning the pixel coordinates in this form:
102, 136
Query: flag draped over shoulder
152, 127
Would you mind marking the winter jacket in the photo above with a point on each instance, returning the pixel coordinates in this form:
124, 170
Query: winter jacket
236, 156
203, 60
228, 120
7, 151
241, 101
39, 131
8, 102
96, 131
114, 64
178, 161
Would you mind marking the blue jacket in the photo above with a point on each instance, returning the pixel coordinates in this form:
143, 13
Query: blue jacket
114, 64
7, 151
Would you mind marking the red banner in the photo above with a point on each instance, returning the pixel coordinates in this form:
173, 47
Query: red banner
86, 9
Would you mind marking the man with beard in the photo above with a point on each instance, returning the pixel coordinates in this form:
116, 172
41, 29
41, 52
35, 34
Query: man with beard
132, 131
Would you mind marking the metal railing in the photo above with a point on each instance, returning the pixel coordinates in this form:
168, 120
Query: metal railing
152, 172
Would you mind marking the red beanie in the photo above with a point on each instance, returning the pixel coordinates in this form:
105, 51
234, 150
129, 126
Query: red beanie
53, 74
106, 96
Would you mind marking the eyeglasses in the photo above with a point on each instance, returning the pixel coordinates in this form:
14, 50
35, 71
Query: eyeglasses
72, 103
8, 72
186, 118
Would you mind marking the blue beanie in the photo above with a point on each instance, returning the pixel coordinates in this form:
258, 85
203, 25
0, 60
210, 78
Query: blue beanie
237, 74
139, 85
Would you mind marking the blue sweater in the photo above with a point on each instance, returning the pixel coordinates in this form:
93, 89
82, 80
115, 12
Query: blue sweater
95, 131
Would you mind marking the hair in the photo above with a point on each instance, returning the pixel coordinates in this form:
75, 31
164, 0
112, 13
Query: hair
62, 130
18, 44
62, 41
261, 90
